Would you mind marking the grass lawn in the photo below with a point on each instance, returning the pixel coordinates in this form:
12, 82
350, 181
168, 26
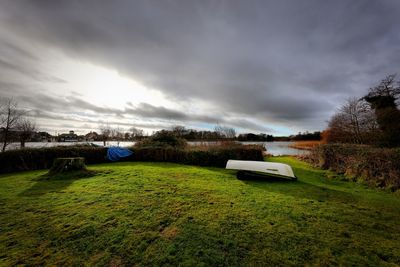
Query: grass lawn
168, 214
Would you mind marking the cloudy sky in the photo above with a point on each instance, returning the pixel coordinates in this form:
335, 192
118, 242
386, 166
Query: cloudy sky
276, 67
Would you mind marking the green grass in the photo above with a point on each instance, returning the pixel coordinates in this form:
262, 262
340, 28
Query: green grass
168, 214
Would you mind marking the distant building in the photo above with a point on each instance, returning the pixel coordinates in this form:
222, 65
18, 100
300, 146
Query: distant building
92, 136
68, 137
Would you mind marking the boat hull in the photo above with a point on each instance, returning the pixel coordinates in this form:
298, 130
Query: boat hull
261, 167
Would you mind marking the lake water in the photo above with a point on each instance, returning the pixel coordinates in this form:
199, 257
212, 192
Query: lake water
274, 148
279, 148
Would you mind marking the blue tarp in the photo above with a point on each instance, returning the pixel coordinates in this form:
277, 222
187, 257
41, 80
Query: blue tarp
115, 153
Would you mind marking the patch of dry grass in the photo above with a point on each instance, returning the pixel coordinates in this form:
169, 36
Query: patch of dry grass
306, 145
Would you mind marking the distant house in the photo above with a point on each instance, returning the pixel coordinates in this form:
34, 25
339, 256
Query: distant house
92, 136
68, 137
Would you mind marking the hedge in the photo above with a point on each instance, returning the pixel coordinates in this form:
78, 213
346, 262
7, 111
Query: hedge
215, 157
42, 158
376, 166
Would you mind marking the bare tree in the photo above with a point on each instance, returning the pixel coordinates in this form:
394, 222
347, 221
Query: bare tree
225, 131
178, 130
25, 128
385, 93
360, 119
136, 133
117, 134
9, 118
106, 132
354, 122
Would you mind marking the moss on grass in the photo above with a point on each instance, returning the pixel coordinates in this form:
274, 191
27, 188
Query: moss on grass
169, 214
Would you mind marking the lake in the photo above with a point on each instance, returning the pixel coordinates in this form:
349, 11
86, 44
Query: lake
279, 148
274, 148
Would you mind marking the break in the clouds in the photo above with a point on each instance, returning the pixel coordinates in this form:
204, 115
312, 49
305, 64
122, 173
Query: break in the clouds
266, 66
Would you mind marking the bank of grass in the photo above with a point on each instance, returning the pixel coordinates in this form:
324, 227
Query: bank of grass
145, 214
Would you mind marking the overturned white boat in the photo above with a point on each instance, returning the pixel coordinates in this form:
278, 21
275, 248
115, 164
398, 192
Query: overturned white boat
261, 167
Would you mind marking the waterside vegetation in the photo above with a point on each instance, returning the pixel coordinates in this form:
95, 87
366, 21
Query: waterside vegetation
306, 145
378, 167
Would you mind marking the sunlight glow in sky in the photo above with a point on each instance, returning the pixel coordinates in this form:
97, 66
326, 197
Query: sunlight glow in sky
105, 87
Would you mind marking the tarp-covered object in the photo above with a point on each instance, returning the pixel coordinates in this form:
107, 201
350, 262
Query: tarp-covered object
116, 153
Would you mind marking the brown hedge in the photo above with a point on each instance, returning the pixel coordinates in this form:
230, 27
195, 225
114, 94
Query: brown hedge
376, 166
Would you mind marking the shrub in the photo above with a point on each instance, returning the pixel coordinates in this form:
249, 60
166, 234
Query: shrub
215, 156
376, 166
162, 139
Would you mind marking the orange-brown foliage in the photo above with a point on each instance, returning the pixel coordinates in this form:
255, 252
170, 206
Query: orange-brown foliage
325, 136
306, 145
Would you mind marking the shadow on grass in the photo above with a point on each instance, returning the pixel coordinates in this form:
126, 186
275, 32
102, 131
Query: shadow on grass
54, 183
301, 189
253, 176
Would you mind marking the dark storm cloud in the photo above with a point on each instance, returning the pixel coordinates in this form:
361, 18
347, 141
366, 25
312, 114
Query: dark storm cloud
34, 74
281, 61
149, 111
17, 60
11, 48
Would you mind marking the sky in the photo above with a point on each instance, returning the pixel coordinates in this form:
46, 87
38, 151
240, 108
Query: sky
275, 67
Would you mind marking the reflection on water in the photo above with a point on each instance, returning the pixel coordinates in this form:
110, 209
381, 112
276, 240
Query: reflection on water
274, 148
282, 148
279, 148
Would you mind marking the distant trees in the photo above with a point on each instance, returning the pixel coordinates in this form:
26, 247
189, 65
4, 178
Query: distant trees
179, 130
306, 136
117, 134
255, 137
136, 133
225, 131
105, 131
108, 133
220, 132
26, 128
192, 134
